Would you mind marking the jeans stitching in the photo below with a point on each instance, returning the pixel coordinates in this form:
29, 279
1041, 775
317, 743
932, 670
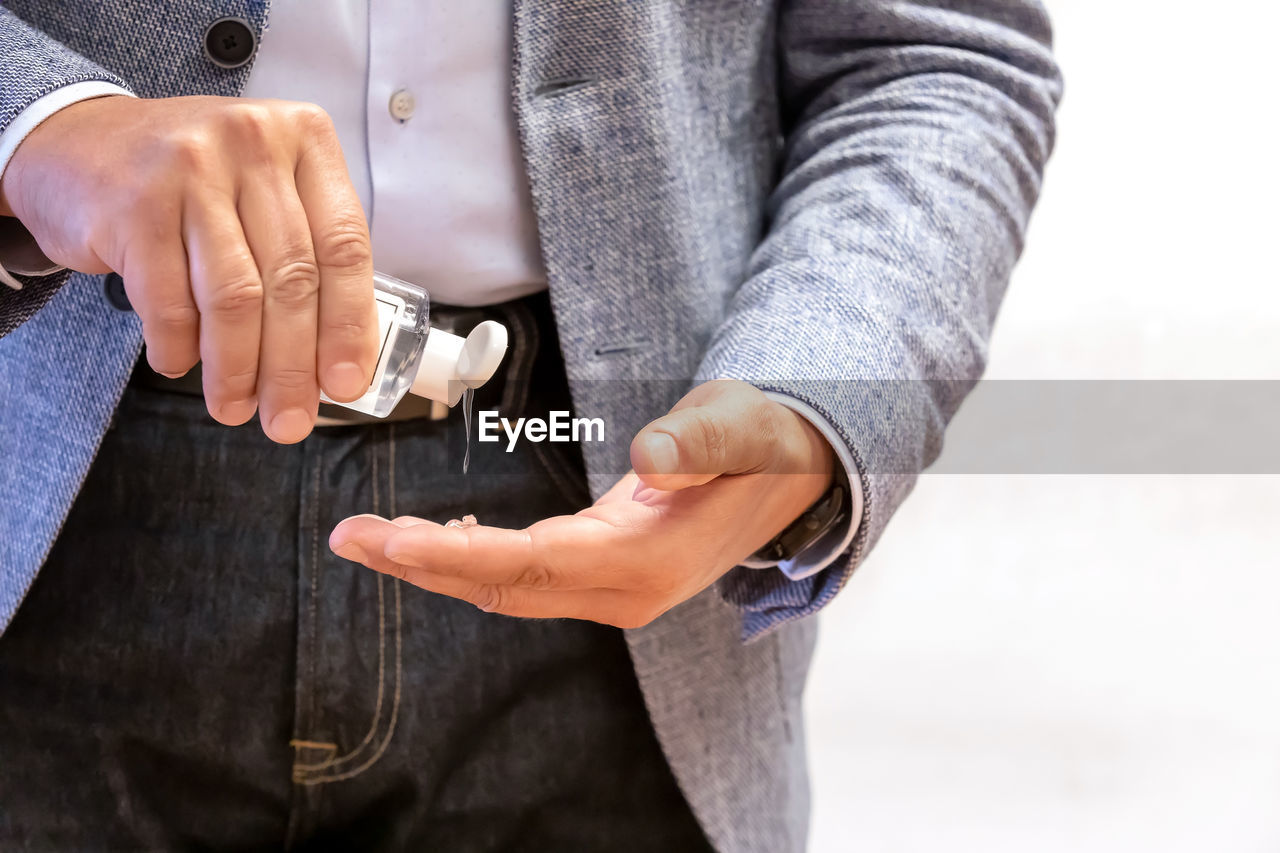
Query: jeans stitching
391, 725
300, 770
395, 704
315, 589
312, 617
333, 760
331, 748
306, 645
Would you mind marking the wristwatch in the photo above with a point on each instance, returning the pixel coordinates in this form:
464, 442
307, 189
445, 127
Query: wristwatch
812, 525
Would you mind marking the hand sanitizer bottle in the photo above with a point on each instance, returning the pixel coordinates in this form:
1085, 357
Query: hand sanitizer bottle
414, 358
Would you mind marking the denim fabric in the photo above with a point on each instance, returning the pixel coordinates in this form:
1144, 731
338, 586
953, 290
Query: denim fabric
194, 668
790, 192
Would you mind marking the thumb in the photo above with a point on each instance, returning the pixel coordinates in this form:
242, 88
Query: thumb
694, 445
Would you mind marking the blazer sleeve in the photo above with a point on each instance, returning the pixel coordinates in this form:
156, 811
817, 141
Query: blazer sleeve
916, 136
33, 65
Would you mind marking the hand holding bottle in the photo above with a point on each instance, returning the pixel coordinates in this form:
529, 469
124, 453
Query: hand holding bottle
240, 239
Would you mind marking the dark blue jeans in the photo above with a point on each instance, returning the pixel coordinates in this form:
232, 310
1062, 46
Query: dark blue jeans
194, 669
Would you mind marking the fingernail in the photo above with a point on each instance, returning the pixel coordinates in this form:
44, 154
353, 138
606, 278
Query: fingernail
663, 454
406, 560
351, 551
237, 412
345, 381
290, 425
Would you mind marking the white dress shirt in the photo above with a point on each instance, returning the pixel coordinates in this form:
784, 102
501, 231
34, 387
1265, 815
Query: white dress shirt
419, 91
420, 95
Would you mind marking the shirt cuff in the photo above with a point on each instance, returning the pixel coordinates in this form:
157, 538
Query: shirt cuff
18, 252
836, 541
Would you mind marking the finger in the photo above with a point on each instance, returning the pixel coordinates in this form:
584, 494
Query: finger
606, 606
595, 549
362, 539
348, 339
369, 540
156, 281
564, 552
732, 433
409, 520
369, 532
481, 554
228, 294
492, 598
275, 225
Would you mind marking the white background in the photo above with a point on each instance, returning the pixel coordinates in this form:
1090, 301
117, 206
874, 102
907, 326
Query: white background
1084, 662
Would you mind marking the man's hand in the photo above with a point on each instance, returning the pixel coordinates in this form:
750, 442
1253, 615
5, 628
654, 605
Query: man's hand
713, 481
240, 239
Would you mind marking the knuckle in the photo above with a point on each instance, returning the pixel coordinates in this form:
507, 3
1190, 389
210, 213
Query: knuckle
489, 598
177, 316
293, 379
237, 296
534, 576
190, 150
229, 386
347, 332
313, 118
345, 243
175, 320
251, 123
713, 436
295, 282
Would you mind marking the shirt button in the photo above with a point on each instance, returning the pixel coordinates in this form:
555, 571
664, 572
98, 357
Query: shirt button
229, 42
402, 105
113, 287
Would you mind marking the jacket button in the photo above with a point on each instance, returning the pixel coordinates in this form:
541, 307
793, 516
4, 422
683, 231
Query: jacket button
229, 42
113, 287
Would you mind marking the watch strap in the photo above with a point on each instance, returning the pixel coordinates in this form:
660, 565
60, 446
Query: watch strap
814, 523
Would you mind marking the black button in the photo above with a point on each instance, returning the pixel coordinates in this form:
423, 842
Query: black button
113, 287
229, 42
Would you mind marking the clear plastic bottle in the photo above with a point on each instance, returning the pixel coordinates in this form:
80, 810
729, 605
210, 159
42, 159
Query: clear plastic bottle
413, 357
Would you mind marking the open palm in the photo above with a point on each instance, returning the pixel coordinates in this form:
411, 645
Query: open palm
743, 468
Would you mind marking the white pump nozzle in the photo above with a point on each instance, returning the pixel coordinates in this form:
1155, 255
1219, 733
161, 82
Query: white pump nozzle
451, 363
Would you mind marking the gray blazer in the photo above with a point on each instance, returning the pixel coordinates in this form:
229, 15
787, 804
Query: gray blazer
822, 197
